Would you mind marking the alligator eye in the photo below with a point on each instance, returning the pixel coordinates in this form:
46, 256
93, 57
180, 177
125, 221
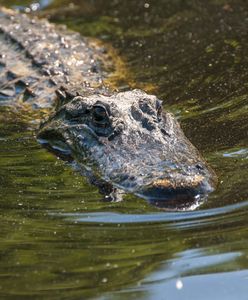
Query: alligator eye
100, 116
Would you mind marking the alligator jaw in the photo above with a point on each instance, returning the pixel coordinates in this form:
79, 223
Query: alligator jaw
187, 190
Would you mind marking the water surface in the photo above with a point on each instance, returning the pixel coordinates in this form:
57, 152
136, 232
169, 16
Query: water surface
59, 240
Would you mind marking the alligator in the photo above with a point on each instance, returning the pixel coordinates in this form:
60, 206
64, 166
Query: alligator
120, 140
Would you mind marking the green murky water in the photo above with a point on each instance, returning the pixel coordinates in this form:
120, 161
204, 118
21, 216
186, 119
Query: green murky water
58, 240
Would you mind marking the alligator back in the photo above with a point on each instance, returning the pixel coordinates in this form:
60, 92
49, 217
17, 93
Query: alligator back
37, 57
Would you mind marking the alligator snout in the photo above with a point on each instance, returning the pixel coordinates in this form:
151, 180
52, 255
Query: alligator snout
180, 190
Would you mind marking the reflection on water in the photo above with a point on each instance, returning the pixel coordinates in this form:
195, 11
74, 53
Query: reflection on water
178, 219
209, 286
239, 153
59, 240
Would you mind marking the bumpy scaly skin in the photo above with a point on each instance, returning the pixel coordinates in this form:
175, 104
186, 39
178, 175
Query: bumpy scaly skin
36, 58
121, 138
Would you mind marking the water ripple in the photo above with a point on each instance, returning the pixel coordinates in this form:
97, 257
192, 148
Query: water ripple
118, 218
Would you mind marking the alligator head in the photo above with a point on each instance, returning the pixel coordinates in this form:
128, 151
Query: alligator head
129, 141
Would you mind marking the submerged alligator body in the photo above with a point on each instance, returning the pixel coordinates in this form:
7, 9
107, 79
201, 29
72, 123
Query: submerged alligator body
121, 140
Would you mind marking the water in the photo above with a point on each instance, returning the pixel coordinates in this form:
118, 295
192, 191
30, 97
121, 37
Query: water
59, 240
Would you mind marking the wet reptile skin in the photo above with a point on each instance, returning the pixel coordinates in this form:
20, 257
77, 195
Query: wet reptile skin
120, 140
